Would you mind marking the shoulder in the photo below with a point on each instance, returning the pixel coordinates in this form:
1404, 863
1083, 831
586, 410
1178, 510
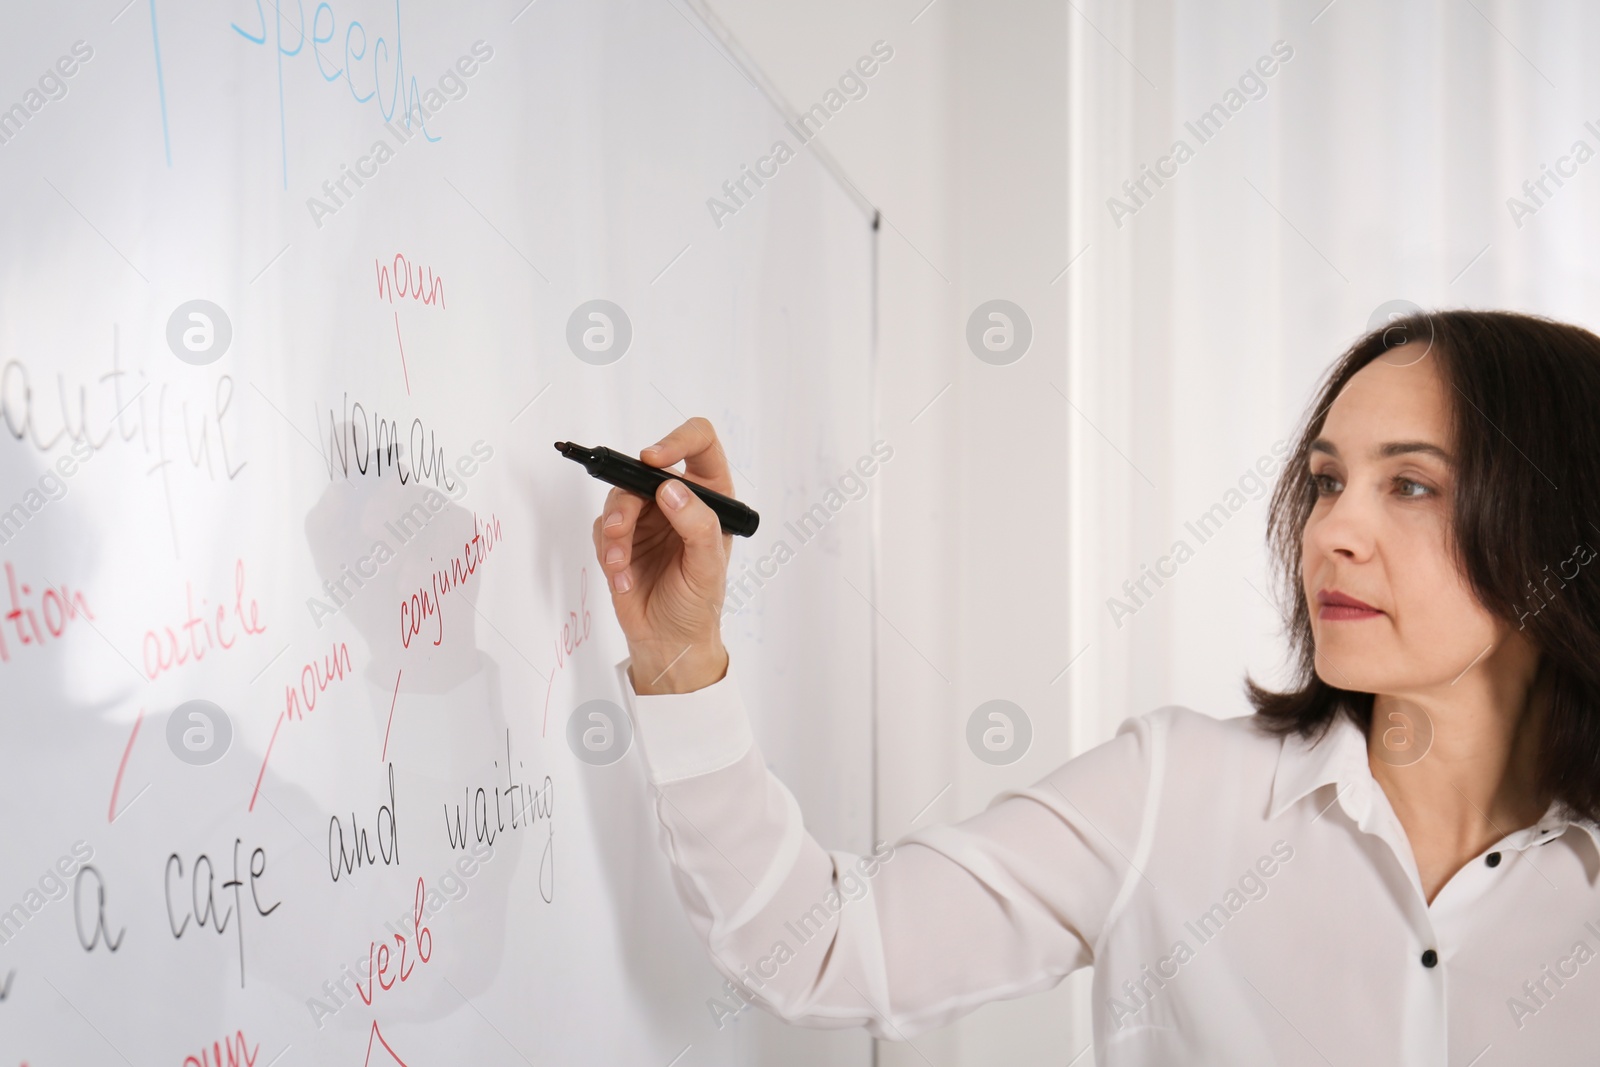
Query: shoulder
1172, 751
1176, 735
1185, 753
1188, 727
1174, 731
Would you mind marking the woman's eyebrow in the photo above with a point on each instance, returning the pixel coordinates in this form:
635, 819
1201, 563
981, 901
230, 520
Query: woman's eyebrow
1401, 448
1387, 450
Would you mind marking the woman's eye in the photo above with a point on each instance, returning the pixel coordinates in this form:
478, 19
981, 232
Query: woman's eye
1322, 484
1406, 485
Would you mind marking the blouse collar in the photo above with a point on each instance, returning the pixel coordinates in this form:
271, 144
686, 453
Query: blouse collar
1339, 759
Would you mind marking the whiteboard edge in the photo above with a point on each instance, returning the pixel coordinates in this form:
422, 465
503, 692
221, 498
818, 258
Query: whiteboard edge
736, 54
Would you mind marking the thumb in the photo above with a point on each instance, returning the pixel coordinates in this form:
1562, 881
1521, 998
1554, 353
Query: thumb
705, 562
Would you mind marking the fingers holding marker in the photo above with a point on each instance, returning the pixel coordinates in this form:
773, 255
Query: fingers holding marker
707, 475
705, 549
613, 535
696, 443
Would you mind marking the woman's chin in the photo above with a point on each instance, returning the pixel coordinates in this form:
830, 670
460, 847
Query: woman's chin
1354, 665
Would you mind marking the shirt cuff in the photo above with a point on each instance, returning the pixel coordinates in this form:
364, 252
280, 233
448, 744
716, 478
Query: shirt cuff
684, 735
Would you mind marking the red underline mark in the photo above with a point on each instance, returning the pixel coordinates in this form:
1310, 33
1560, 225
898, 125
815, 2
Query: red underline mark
386, 729
378, 1035
545, 725
402, 352
116, 787
263, 772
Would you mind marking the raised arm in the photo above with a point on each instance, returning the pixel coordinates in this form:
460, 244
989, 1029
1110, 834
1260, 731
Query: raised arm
902, 939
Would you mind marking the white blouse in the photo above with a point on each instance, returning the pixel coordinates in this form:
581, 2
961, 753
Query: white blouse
1243, 900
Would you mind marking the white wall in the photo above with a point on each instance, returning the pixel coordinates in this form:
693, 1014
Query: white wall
1376, 166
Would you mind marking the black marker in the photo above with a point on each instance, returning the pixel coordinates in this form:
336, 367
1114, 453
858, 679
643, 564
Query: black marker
625, 472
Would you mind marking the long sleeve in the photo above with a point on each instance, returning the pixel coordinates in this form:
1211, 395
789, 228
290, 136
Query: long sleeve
909, 937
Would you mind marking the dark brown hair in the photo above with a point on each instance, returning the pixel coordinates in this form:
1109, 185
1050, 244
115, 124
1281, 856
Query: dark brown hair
1526, 428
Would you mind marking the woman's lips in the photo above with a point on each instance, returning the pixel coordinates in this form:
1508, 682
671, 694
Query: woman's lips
1337, 607
1340, 612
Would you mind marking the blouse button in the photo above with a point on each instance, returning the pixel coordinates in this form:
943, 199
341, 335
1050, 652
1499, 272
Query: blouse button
1429, 958
1492, 859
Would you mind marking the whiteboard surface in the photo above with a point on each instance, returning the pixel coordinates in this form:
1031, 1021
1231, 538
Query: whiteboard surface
398, 777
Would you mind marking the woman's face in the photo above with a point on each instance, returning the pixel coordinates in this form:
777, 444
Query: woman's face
1380, 534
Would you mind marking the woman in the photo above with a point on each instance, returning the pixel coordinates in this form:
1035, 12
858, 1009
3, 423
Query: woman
1393, 861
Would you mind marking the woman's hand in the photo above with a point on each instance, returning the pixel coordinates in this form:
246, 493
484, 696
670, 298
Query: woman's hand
667, 565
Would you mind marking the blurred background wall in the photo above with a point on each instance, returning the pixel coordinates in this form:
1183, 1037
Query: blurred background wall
1340, 157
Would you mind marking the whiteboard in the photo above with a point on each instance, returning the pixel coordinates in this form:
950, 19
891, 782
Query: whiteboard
299, 602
